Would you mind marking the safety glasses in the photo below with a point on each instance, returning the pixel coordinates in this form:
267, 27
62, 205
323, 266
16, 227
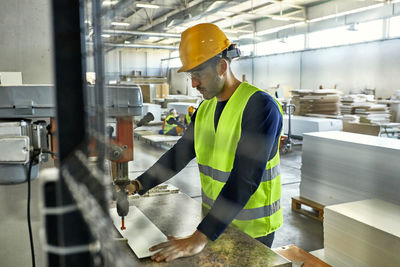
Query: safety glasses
200, 71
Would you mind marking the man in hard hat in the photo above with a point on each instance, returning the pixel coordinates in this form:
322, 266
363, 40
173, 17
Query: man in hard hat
234, 135
188, 117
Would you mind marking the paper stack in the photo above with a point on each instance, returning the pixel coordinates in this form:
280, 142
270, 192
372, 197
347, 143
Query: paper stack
351, 118
348, 103
340, 167
362, 233
324, 101
373, 113
365, 108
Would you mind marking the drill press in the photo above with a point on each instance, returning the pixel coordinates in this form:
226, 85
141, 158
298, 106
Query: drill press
120, 154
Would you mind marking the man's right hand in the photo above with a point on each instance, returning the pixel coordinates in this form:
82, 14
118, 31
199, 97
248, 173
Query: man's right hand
133, 187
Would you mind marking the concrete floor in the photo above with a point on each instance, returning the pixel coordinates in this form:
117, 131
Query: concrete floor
297, 229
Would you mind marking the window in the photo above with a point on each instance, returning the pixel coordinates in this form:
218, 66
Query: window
394, 30
246, 50
288, 44
174, 62
350, 34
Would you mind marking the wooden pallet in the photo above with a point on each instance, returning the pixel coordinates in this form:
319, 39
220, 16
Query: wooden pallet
318, 208
297, 255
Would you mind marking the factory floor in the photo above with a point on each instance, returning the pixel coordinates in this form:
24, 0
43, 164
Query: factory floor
304, 232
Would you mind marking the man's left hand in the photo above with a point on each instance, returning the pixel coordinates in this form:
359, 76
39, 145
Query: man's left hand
178, 248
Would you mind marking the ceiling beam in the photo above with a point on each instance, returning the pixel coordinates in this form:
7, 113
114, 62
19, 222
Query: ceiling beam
140, 33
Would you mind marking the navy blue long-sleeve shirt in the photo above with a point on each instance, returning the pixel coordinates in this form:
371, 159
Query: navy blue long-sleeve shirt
259, 140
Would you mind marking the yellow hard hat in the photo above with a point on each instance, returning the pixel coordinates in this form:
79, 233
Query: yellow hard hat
200, 43
191, 109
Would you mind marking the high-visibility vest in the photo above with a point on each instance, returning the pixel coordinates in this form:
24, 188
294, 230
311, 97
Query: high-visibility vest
168, 127
188, 118
215, 153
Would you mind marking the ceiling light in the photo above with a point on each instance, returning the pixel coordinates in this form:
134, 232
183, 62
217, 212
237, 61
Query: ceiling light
215, 5
247, 36
280, 18
352, 27
127, 42
224, 13
106, 35
277, 29
109, 3
115, 23
146, 5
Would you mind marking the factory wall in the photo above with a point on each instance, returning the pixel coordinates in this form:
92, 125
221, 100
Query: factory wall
125, 61
351, 68
26, 40
370, 65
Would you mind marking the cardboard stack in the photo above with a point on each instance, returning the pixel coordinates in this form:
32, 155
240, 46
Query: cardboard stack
162, 90
373, 113
340, 167
148, 92
362, 233
151, 92
361, 128
309, 102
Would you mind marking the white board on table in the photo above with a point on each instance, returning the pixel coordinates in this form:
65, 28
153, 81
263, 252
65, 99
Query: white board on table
141, 233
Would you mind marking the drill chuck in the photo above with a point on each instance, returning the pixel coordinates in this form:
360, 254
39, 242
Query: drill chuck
122, 203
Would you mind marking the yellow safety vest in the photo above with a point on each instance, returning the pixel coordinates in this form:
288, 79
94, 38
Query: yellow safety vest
168, 127
215, 153
188, 118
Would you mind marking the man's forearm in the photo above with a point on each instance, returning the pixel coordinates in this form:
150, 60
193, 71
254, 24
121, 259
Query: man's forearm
172, 162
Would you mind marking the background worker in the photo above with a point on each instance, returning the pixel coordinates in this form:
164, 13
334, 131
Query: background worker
234, 134
188, 117
172, 126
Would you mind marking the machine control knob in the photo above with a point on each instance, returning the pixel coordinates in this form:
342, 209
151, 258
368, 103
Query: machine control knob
115, 153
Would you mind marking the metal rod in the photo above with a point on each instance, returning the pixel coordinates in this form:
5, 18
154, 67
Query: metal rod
99, 85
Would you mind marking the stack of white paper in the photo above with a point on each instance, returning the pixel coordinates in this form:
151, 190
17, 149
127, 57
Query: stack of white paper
340, 167
362, 233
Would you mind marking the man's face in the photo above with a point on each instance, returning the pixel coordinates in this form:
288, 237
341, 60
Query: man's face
206, 80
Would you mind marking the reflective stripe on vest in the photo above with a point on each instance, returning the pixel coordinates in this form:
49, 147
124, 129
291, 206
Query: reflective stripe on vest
168, 127
222, 177
215, 152
249, 214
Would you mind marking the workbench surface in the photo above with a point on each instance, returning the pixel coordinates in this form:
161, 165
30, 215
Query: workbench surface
178, 215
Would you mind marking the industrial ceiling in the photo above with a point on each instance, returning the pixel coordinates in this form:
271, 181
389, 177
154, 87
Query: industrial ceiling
158, 23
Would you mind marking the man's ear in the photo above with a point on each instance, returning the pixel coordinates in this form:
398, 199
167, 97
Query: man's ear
222, 66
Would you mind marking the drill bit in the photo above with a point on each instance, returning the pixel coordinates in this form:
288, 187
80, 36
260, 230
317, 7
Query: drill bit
123, 223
